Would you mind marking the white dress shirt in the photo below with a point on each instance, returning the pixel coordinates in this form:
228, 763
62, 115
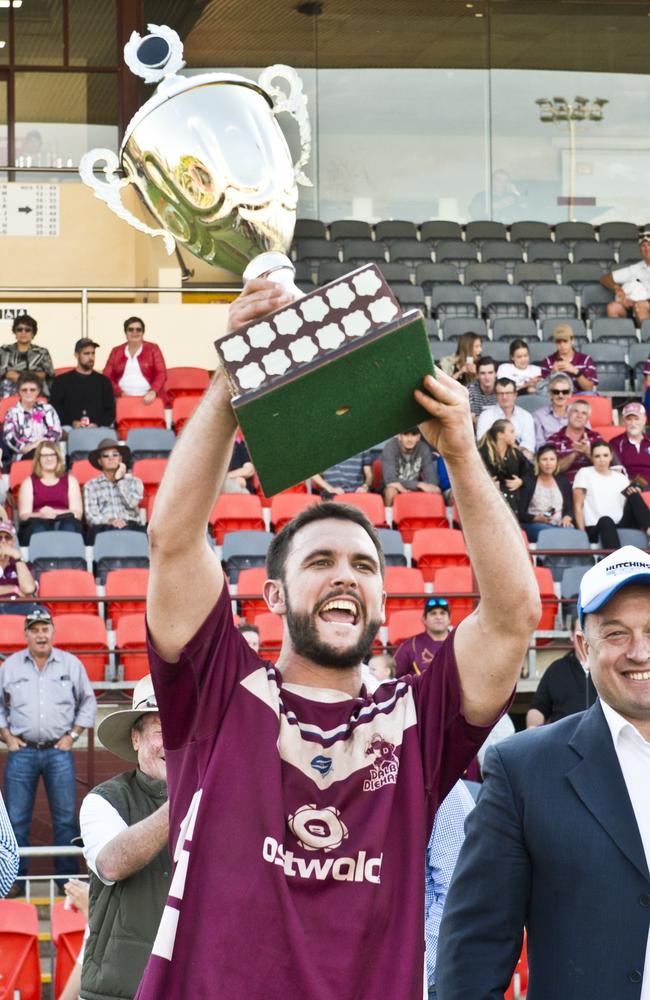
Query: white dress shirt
133, 382
633, 752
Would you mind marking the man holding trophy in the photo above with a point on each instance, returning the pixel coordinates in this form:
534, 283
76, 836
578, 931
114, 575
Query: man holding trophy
301, 804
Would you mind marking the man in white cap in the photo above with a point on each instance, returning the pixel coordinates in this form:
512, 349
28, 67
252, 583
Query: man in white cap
559, 841
633, 446
124, 825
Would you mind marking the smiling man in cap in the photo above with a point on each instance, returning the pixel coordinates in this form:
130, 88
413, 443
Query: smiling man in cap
414, 655
632, 447
125, 825
560, 838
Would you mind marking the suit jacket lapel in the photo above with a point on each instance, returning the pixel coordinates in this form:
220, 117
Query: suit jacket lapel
598, 781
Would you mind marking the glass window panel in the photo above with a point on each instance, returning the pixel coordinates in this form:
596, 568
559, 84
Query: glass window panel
59, 116
92, 33
4, 37
38, 33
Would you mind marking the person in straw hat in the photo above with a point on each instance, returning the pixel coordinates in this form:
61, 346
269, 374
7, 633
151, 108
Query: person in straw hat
124, 825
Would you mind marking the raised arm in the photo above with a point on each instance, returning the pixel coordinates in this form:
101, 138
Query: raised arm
185, 577
491, 643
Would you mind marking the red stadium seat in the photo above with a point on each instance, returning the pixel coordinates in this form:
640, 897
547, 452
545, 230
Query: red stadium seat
434, 548
414, 511
266, 501
76, 633
377, 475
607, 431
403, 580
12, 634
68, 928
182, 409
18, 471
68, 583
20, 967
271, 628
62, 371
251, 581
131, 635
372, 505
150, 471
186, 382
452, 580
402, 625
544, 579
284, 506
601, 409
83, 471
236, 512
130, 582
6, 404
131, 412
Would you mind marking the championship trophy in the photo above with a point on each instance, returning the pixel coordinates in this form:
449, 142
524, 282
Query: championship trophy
317, 381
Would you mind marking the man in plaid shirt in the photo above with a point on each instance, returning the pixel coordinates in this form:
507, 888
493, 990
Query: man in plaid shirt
112, 500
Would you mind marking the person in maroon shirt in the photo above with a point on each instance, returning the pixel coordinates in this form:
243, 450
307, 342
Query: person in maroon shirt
573, 443
414, 655
579, 367
632, 449
301, 803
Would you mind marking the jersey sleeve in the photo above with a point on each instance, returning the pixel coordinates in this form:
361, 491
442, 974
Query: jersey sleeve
448, 743
193, 693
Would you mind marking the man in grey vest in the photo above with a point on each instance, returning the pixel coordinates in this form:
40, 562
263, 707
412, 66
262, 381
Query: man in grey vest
125, 825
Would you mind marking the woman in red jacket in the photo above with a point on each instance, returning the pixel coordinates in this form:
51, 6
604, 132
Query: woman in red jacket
137, 368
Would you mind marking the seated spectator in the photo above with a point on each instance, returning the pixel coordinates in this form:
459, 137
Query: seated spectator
482, 390
112, 500
415, 655
565, 688
382, 667
24, 356
251, 634
604, 500
631, 286
49, 499
506, 409
579, 367
632, 448
545, 499
29, 421
550, 419
83, 397
462, 364
240, 475
525, 376
138, 367
354, 475
16, 579
505, 462
407, 465
573, 443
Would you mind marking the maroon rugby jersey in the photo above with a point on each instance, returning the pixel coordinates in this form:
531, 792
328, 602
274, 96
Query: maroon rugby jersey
299, 819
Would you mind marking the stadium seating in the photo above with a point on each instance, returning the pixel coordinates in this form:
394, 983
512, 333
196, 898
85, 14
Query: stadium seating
413, 511
236, 512
506, 328
131, 639
395, 229
56, 550
285, 506
83, 471
434, 548
371, 504
359, 252
481, 231
480, 275
131, 412
85, 636
349, 229
120, 549
82, 440
601, 409
621, 332
451, 580
402, 625
243, 550
251, 581
270, 627
150, 471
595, 299
182, 410
571, 232
439, 229
186, 381
616, 233
68, 928
18, 471
68, 583
561, 539
125, 583
393, 547
526, 232
550, 602
150, 442
554, 302
403, 580
314, 250
504, 300
20, 969
6, 404
309, 229
12, 636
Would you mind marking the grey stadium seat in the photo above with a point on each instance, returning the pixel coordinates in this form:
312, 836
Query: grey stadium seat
573, 232
497, 349
479, 275
309, 229
456, 252
638, 355
395, 272
316, 250
56, 550
350, 229
428, 275
479, 232
529, 275
538, 250
525, 232
82, 440
363, 252
411, 297
150, 442
453, 300
564, 538
393, 547
330, 270
395, 229
554, 301
601, 253
440, 229
503, 300
506, 328
433, 330
502, 252
531, 401
120, 550
454, 326
628, 252
613, 331
244, 550
594, 299
616, 233
577, 325
579, 275
409, 252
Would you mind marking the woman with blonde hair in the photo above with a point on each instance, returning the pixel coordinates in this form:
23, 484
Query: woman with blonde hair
462, 364
505, 462
49, 499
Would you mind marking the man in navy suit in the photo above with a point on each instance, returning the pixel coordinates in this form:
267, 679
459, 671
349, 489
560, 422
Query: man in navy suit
559, 841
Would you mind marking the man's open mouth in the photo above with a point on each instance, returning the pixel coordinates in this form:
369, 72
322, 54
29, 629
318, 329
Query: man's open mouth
340, 609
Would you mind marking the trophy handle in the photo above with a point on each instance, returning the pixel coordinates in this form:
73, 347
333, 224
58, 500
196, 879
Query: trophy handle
296, 105
109, 191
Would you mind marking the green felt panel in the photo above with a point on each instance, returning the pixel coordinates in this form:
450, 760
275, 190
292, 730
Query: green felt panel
341, 407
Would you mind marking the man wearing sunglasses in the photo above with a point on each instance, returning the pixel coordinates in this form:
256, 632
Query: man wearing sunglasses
550, 419
416, 654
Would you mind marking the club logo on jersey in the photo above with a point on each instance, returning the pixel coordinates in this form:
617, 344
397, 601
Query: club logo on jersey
321, 764
317, 829
384, 768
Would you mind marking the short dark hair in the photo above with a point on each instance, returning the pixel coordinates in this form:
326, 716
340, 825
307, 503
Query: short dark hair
278, 550
517, 345
28, 378
134, 319
506, 383
24, 318
600, 443
485, 361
